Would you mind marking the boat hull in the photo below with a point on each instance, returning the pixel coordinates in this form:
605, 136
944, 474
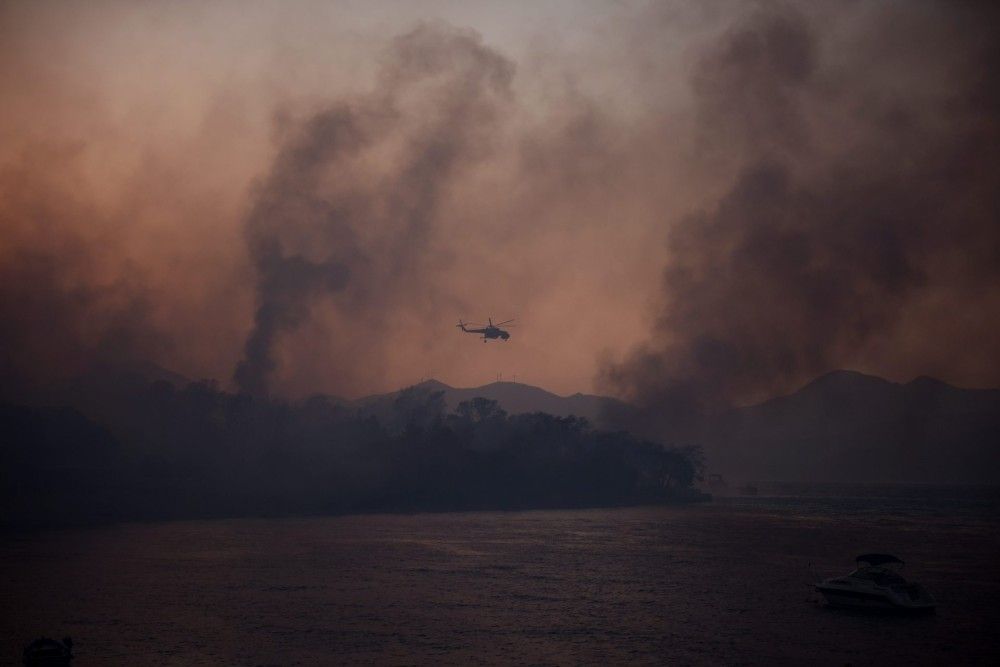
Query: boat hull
870, 600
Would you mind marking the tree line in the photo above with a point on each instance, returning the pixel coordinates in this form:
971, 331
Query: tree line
154, 451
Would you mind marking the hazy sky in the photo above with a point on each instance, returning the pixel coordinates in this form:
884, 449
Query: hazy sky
724, 198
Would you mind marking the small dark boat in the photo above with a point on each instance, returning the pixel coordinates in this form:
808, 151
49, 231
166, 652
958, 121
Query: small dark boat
48, 652
876, 584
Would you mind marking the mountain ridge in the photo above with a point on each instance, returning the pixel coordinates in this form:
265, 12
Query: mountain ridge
514, 397
848, 426
840, 426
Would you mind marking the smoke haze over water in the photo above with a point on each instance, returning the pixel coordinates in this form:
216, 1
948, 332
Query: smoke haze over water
696, 205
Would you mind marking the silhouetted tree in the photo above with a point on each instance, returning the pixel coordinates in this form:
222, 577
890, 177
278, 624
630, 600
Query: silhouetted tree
199, 451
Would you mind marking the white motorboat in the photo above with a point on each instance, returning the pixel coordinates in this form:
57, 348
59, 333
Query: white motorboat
876, 584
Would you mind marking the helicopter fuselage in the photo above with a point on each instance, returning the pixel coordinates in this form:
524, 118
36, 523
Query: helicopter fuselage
489, 333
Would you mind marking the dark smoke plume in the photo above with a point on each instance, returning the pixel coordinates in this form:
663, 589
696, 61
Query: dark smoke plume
348, 206
857, 199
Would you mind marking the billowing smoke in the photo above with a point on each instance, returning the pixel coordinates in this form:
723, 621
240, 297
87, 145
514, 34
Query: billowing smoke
323, 192
63, 310
349, 203
864, 202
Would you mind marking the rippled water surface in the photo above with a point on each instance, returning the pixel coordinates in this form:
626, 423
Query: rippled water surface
727, 582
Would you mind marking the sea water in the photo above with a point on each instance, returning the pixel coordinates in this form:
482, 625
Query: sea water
724, 582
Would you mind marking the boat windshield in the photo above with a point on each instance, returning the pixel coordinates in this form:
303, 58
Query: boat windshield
879, 576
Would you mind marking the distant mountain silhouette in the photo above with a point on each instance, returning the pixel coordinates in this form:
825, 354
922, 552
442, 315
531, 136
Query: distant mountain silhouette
175, 447
843, 426
513, 397
847, 426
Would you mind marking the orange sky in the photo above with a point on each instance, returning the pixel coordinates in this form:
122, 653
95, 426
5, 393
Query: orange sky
138, 139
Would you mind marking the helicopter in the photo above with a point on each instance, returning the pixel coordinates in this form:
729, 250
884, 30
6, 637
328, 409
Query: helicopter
489, 331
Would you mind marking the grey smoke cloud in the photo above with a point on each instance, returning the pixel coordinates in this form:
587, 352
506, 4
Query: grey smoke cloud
855, 201
322, 223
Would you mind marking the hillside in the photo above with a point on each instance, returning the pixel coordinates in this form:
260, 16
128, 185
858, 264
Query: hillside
847, 426
841, 427
162, 452
514, 397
